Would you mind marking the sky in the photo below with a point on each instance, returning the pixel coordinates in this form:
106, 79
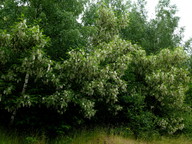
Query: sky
184, 12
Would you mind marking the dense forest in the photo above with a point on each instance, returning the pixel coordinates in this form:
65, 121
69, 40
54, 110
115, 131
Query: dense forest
66, 64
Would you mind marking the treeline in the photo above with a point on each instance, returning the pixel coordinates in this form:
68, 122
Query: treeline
70, 63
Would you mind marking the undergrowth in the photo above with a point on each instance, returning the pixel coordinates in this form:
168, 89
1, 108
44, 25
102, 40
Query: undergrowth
98, 135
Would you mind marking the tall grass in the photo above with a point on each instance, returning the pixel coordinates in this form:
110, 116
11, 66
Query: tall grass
89, 136
9, 138
111, 136
13, 137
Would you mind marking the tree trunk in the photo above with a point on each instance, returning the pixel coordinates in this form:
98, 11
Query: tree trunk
25, 83
12, 117
23, 92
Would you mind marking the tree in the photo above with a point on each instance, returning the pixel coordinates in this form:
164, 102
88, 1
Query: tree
57, 19
23, 60
144, 86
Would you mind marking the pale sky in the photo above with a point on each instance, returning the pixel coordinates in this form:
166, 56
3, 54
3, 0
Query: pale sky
184, 12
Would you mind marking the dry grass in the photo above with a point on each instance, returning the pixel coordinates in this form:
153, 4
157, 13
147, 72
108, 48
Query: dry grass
101, 137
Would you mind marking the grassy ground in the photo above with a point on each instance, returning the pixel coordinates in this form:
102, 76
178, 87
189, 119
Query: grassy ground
101, 137
96, 136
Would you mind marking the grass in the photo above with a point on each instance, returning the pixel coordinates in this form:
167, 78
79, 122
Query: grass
7, 138
103, 136
14, 138
94, 136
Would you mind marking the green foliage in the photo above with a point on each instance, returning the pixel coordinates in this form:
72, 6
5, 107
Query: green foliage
164, 83
105, 21
139, 119
102, 82
24, 61
157, 33
103, 73
57, 18
31, 140
131, 22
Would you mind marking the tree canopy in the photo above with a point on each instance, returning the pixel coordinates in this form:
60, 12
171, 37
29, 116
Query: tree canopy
115, 61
